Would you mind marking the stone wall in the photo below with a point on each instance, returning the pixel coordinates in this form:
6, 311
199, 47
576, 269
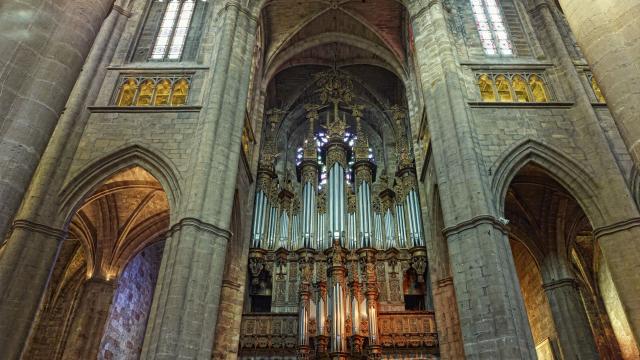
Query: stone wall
127, 321
535, 300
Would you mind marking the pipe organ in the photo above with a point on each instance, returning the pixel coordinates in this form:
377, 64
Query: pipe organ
341, 251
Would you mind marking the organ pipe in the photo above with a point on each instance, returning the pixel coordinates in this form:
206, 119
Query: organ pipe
319, 221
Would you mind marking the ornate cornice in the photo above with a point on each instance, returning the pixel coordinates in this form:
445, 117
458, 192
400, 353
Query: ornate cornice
616, 227
39, 228
475, 222
200, 226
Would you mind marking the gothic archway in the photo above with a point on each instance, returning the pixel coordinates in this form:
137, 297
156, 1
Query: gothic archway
548, 228
108, 263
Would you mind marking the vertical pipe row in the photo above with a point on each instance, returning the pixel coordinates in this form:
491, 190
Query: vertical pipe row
309, 210
416, 219
402, 225
336, 201
377, 231
338, 343
258, 219
364, 211
390, 228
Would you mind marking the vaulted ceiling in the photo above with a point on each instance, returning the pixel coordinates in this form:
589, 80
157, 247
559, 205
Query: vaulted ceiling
362, 30
125, 214
364, 39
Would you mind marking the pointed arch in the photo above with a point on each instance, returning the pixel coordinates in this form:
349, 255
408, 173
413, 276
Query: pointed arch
101, 169
566, 171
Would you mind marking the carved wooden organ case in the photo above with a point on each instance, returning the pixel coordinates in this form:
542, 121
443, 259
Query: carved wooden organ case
338, 265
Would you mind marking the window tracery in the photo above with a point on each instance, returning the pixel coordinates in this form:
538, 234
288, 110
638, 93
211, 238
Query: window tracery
513, 87
149, 90
174, 27
491, 27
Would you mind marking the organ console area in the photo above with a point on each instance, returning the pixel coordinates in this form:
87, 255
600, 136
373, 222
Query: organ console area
338, 264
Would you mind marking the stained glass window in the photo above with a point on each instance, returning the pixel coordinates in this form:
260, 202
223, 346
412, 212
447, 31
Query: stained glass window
180, 92
504, 89
146, 93
493, 33
537, 89
173, 30
163, 89
152, 90
127, 93
520, 89
486, 88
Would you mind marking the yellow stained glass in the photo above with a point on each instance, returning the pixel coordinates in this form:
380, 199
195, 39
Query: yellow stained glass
520, 88
180, 92
127, 93
504, 89
146, 93
597, 91
537, 89
163, 89
486, 88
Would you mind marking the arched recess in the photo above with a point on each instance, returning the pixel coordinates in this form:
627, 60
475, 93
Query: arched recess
116, 234
88, 179
547, 228
560, 167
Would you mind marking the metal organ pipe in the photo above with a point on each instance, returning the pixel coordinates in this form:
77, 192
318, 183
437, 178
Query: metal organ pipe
402, 226
364, 211
258, 219
336, 201
308, 215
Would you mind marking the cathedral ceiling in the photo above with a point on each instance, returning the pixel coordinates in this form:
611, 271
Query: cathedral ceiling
123, 216
365, 40
298, 25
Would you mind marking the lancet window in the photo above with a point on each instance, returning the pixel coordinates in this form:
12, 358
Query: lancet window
171, 30
491, 27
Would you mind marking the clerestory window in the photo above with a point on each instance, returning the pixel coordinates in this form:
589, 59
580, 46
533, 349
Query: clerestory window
173, 30
493, 32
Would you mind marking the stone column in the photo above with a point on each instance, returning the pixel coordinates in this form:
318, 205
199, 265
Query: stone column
619, 281
90, 316
31, 250
608, 32
492, 313
184, 313
44, 46
574, 332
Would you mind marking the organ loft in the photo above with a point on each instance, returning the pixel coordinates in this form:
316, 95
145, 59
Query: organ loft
319, 179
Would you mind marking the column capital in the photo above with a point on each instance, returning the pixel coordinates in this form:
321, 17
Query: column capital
200, 226
241, 9
475, 222
418, 8
616, 227
555, 284
30, 226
